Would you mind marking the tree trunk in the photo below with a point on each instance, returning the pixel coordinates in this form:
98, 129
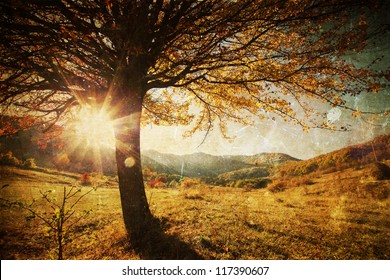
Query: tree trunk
135, 208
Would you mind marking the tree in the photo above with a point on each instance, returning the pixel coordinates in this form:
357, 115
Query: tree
233, 59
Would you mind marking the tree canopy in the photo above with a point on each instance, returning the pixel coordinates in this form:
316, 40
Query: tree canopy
231, 58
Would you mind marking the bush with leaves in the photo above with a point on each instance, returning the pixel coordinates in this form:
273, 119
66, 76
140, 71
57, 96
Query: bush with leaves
255, 183
9, 159
86, 179
59, 215
276, 187
62, 161
29, 163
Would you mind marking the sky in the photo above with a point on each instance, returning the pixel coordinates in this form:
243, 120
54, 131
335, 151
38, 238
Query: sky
267, 136
278, 136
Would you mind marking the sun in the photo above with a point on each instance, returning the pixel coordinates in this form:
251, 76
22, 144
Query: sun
90, 138
95, 128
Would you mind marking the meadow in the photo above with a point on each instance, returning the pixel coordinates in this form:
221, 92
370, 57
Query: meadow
326, 216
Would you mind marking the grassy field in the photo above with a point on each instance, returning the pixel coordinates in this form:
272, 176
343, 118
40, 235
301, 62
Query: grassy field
341, 215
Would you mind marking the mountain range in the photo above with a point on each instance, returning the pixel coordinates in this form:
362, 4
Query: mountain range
206, 165
226, 167
237, 167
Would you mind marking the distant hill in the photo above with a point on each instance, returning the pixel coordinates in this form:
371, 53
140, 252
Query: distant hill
193, 165
376, 150
270, 159
205, 165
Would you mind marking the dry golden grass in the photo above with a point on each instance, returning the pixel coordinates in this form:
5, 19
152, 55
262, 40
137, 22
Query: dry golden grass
331, 216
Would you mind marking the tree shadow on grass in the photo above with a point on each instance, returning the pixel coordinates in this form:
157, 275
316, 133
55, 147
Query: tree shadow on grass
157, 245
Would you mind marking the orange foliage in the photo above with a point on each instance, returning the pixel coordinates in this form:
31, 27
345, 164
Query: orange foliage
232, 59
86, 179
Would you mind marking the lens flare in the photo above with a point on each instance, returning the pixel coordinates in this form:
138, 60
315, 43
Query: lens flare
129, 162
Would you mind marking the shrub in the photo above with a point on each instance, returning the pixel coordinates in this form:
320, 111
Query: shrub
189, 183
63, 218
148, 174
173, 178
156, 183
173, 184
9, 159
261, 183
277, 186
238, 184
376, 190
258, 183
162, 179
303, 169
379, 171
86, 179
62, 161
29, 163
